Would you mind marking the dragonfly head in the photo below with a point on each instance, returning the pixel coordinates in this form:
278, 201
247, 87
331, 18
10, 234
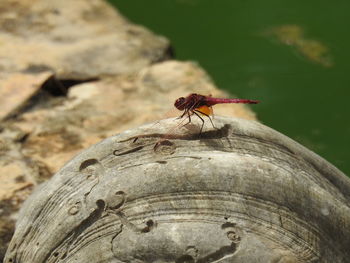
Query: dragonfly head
180, 103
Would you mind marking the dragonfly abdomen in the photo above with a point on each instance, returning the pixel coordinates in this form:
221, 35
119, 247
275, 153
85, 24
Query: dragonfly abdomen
212, 101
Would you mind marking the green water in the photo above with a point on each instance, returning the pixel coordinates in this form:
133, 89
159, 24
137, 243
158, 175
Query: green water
291, 55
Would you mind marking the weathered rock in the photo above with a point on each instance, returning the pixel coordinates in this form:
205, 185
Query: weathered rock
85, 39
242, 193
17, 89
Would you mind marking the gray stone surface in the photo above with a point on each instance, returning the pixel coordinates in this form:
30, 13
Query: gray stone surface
241, 193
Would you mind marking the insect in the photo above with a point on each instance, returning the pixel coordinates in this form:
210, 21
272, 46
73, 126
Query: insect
196, 104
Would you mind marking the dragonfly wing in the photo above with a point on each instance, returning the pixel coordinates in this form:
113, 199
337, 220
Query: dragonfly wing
212, 112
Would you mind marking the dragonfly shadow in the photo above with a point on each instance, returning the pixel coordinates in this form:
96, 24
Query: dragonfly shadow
217, 133
214, 138
211, 135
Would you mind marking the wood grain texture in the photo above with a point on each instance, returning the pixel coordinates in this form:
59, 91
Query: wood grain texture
241, 193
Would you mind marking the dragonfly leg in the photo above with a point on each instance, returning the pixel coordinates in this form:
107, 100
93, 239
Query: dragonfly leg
189, 119
200, 132
183, 114
208, 118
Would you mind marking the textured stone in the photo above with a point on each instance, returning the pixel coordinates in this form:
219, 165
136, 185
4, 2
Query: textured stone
241, 193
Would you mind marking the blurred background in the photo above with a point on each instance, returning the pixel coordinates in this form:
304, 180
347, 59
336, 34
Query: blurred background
291, 55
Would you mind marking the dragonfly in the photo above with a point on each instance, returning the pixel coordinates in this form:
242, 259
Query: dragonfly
196, 104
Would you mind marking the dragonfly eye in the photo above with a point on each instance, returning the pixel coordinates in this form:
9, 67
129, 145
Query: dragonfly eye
180, 103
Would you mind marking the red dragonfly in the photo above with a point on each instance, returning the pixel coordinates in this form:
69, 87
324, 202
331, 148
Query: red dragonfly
196, 104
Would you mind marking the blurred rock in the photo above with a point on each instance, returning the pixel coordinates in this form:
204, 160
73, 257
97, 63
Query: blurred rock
84, 39
17, 89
